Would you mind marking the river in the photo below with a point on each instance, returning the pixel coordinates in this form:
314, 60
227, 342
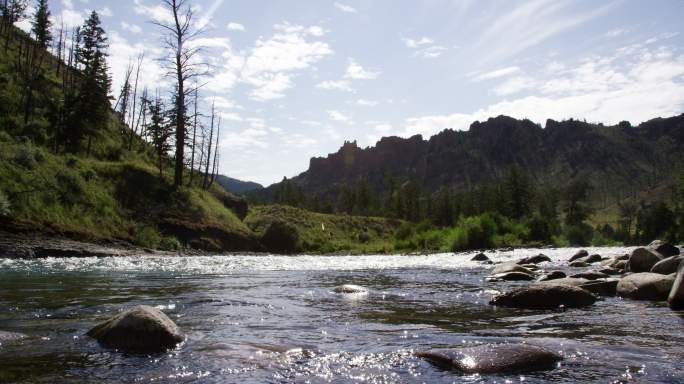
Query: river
236, 309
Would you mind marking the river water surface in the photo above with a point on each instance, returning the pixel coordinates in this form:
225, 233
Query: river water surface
237, 311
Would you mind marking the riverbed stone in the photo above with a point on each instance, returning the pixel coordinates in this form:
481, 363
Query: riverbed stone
645, 286
580, 254
579, 264
512, 276
609, 271
540, 258
138, 329
601, 287
494, 358
668, 265
545, 296
643, 259
590, 275
552, 275
675, 298
480, 257
510, 267
571, 281
664, 248
350, 288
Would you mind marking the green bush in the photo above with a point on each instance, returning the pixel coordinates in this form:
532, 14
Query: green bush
581, 234
145, 236
475, 233
25, 157
170, 244
71, 187
4, 205
281, 237
5, 137
404, 231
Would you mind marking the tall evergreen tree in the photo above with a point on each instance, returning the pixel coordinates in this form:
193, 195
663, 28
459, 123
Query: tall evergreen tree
160, 133
13, 10
41, 24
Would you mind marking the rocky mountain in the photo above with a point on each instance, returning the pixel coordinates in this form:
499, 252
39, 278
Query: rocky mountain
236, 186
619, 160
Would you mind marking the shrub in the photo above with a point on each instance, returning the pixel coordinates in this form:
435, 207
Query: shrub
581, 234
475, 233
281, 237
404, 231
71, 187
88, 174
5, 137
4, 205
364, 237
39, 155
145, 236
25, 157
170, 244
71, 161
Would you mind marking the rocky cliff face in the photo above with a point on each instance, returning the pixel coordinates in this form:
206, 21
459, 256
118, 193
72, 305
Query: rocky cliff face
611, 157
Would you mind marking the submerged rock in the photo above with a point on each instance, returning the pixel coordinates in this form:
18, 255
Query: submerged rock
553, 275
540, 258
350, 288
494, 358
643, 259
579, 264
676, 297
480, 257
645, 286
545, 296
580, 254
139, 329
287, 349
668, 265
10, 336
571, 281
665, 249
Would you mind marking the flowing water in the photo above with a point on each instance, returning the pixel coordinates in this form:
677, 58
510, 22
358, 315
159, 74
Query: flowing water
237, 311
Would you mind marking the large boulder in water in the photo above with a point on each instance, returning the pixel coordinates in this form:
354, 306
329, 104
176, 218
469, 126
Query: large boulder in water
139, 329
643, 259
676, 297
511, 276
645, 286
552, 275
580, 254
590, 275
540, 258
494, 358
571, 281
602, 287
480, 257
668, 265
545, 296
663, 248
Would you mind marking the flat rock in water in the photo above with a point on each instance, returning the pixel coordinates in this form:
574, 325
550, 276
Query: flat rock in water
609, 271
510, 267
645, 286
540, 258
494, 358
552, 275
571, 281
643, 259
579, 255
590, 259
480, 257
545, 296
665, 249
350, 288
139, 329
512, 276
579, 264
603, 287
668, 265
590, 275
676, 297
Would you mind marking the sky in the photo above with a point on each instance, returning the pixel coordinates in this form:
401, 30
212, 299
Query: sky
294, 79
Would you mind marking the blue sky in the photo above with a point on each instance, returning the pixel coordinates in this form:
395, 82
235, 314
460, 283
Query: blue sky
294, 79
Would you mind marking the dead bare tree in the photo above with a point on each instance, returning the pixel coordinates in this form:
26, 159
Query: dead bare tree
205, 182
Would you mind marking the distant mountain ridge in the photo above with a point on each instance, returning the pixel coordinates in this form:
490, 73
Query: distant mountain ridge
619, 159
236, 186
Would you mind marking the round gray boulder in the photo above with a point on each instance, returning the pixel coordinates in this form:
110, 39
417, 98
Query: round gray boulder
602, 287
665, 249
668, 265
511, 276
510, 267
545, 296
579, 264
590, 275
580, 254
645, 286
480, 257
676, 296
643, 259
552, 275
494, 358
571, 281
540, 258
139, 329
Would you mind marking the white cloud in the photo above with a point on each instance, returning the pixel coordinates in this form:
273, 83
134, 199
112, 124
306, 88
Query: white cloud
603, 89
432, 52
132, 28
340, 85
345, 8
209, 14
71, 18
502, 72
157, 13
366, 103
223, 103
357, 72
232, 26
417, 43
106, 12
338, 116
514, 85
424, 47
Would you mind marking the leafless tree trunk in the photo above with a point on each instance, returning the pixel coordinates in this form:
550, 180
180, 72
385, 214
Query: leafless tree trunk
205, 182
194, 139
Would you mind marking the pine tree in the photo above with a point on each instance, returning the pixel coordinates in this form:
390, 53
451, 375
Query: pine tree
159, 131
13, 10
41, 24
